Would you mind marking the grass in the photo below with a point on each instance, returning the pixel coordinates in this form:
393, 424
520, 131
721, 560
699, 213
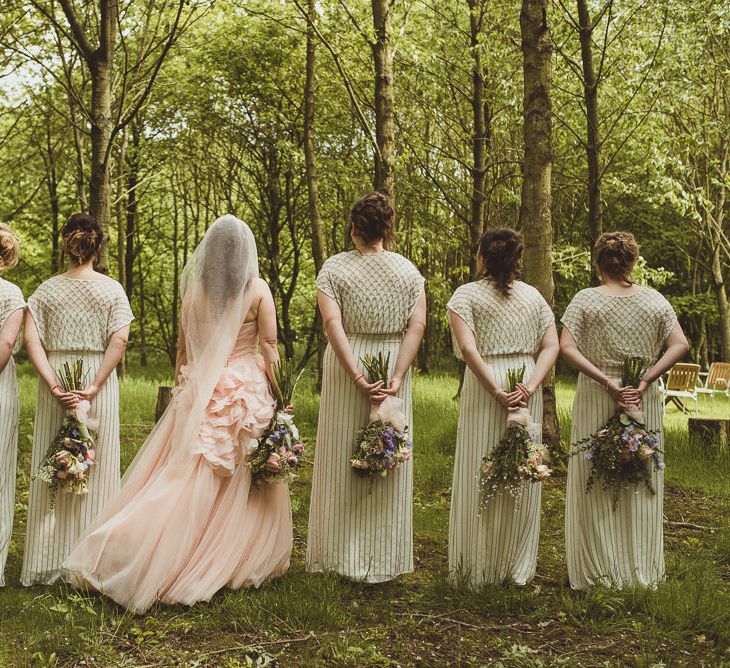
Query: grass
310, 620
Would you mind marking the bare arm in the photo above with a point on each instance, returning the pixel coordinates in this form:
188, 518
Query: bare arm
268, 339
39, 360
569, 350
549, 351
8, 336
332, 319
470, 352
181, 358
677, 348
113, 355
408, 349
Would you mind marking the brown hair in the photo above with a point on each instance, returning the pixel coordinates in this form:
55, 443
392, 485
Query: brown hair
373, 217
615, 254
9, 248
501, 251
82, 237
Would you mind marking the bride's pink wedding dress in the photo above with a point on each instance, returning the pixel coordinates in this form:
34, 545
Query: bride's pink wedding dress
184, 527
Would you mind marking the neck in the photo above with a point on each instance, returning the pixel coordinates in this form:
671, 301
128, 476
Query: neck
372, 247
84, 268
617, 283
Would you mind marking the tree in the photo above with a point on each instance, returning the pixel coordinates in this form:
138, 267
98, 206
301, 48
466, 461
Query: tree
536, 206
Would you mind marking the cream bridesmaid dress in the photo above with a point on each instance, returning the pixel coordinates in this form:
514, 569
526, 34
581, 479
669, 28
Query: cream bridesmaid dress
500, 544
11, 300
363, 536
622, 547
75, 319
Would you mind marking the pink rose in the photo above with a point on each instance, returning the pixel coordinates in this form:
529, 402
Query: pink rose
298, 448
542, 472
63, 458
273, 463
90, 455
405, 455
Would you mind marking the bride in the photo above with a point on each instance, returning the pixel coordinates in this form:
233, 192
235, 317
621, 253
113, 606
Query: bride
187, 521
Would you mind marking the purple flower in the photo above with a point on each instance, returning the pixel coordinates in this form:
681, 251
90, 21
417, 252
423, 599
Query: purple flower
660, 465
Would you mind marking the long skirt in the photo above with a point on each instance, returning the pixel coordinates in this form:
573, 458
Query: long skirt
51, 534
9, 413
500, 544
606, 547
362, 533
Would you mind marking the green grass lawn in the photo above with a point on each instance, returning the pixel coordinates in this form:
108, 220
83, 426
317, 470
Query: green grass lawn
311, 620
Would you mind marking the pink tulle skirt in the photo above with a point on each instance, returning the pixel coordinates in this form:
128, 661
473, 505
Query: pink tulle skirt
185, 527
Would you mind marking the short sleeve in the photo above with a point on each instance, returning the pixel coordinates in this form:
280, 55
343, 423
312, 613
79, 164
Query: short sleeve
417, 282
461, 304
546, 317
326, 281
573, 317
120, 313
667, 320
38, 311
10, 302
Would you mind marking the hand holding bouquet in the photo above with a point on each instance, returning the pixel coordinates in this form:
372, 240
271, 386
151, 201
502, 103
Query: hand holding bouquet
383, 445
71, 454
623, 451
279, 450
517, 458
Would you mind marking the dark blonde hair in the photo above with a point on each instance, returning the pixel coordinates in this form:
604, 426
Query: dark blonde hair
9, 248
501, 251
616, 254
82, 237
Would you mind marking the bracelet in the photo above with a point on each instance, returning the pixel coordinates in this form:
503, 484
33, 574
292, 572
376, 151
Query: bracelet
356, 379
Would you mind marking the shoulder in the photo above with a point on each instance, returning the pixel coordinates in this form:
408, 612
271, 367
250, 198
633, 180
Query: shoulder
47, 287
468, 290
261, 287
656, 298
527, 290
583, 296
402, 261
8, 289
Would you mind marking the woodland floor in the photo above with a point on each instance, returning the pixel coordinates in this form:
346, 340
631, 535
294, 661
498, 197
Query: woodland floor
418, 620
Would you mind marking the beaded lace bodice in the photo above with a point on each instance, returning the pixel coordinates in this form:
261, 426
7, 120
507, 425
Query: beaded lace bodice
610, 328
79, 314
376, 292
502, 325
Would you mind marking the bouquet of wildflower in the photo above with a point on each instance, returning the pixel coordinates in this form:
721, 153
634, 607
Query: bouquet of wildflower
383, 445
71, 454
517, 458
624, 451
279, 450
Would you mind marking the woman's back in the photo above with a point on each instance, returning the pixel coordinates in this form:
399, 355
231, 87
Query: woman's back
78, 314
376, 292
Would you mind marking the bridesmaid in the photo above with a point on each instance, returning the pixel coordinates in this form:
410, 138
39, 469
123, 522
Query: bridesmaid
372, 300
11, 319
80, 314
498, 323
604, 326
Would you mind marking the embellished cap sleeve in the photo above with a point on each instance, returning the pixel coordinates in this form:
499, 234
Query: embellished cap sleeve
326, 280
461, 304
416, 288
120, 312
11, 300
38, 308
573, 318
667, 319
546, 317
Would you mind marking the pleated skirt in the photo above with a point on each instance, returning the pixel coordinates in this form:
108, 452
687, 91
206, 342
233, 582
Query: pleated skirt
362, 534
500, 544
51, 534
606, 547
9, 414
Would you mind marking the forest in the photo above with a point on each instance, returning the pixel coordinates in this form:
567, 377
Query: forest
159, 116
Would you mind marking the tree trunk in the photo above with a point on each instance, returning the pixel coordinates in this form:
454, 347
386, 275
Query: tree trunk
52, 183
593, 144
382, 48
121, 267
723, 308
101, 133
479, 136
310, 165
132, 202
536, 202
